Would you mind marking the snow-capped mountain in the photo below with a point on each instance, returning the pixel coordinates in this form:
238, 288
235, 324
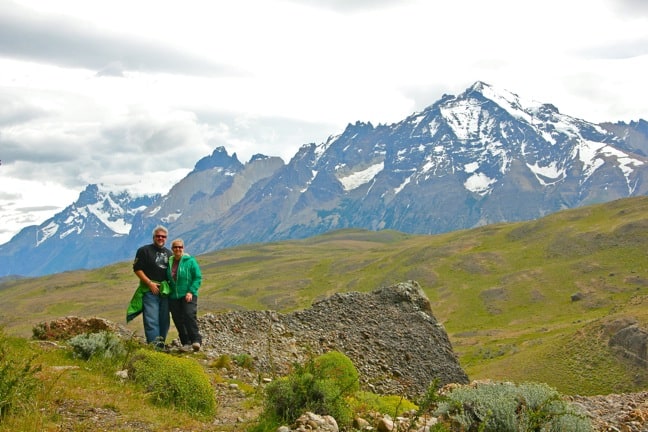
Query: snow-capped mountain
633, 134
481, 157
96, 213
86, 234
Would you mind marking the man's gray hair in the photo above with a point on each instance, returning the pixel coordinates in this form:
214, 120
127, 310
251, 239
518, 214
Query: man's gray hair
160, 228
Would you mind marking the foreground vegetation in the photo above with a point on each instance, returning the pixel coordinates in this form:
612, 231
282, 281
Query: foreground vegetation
72, 385
165, 391
505, 293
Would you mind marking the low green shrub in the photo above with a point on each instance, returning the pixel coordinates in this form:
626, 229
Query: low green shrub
336, 366
222, 362
174, 381
19, 386
319, 386
288, 398
244, 360
104, 344
504, 407
367, 402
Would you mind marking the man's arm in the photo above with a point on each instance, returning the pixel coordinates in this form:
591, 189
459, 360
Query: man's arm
153, 287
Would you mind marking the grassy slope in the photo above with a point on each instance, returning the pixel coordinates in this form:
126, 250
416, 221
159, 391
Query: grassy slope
503, 291
78, 395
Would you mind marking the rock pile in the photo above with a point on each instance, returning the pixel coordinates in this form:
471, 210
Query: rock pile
390, 334
70, 326
615, 412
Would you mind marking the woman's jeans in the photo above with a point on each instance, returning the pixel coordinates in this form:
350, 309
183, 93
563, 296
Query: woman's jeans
155, 315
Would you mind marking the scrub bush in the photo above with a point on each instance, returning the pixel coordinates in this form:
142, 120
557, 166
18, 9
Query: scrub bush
288, 398
97, 345
318, 386
508, 407
337, 367
222, 362
174, 381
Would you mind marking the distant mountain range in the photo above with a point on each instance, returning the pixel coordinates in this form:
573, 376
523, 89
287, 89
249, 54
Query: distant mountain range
482, 157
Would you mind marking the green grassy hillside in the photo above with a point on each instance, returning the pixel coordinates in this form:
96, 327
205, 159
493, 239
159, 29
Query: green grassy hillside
503, 292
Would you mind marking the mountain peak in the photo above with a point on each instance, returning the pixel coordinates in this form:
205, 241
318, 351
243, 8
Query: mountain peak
88, 195
258, 156
218, 159
516, 106
479, 86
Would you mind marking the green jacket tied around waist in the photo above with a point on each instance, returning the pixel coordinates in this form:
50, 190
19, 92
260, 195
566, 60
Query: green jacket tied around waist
136, 304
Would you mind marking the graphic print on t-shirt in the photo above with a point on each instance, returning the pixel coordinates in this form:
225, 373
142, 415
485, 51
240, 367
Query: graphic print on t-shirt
161, 260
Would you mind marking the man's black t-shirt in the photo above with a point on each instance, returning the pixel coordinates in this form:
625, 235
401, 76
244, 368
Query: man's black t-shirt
153, 261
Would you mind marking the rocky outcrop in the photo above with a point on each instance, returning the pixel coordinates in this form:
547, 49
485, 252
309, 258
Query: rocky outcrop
70, 326
390, 334
629, 340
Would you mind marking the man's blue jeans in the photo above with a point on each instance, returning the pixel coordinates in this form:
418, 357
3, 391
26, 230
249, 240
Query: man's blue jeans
155, 315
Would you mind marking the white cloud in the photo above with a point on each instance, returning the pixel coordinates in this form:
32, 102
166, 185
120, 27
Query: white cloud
134, 93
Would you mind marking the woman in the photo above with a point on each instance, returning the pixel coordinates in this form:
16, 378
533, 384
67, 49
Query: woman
184, 277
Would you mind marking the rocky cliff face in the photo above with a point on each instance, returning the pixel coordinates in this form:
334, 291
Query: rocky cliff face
390, 334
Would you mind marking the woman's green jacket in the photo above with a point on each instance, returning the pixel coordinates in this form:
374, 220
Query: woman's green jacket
188, 277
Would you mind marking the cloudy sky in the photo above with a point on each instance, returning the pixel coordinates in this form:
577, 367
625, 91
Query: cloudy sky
132, 93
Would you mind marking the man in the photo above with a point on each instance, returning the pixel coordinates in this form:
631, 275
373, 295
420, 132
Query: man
150, 266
